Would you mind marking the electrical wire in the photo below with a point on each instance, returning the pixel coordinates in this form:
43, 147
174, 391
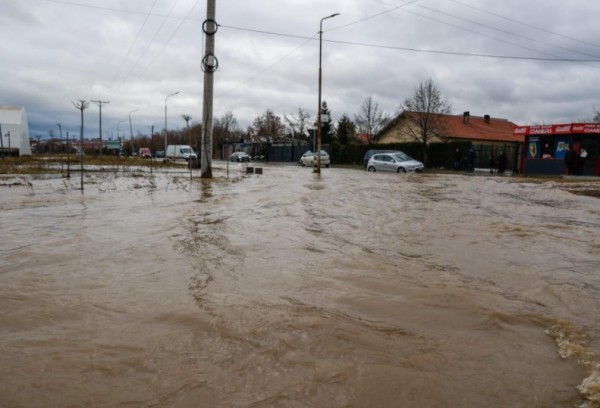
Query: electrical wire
391, 47
308, 39
183, 20
156, 32
133, 43
478, 33
529, 25
491, 28
373, 16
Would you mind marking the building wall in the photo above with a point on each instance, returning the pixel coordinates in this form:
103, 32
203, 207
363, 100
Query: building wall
14, 120
404, 132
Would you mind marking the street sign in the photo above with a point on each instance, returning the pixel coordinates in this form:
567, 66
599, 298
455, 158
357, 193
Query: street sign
113, 145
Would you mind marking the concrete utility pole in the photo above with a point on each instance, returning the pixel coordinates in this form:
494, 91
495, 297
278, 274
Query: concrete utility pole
209, 66
99, 103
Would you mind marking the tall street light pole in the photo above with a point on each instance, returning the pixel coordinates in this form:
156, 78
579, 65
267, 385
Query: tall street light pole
319, 131
168, 96
130, 127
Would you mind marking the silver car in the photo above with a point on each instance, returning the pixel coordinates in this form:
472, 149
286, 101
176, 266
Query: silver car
310, 159
397, 162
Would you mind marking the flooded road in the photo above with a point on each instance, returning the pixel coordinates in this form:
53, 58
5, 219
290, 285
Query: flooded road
289, 289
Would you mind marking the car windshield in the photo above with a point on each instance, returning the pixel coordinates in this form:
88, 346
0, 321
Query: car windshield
401, 157
324, 153
186, 150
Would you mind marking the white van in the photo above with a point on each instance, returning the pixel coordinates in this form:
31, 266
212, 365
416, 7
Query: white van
180, 152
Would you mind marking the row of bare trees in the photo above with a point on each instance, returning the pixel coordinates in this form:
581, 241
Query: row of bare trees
427, 101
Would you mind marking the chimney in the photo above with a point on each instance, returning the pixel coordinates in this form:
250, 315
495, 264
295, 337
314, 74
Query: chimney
466, 117
486, 118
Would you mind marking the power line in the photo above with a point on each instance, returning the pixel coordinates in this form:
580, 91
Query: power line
498, 29
391, 47
156, 32
373, 16
183, 20
555, 58
111, 9
133, 43
464, 54
477, 33
269, 67
525, 24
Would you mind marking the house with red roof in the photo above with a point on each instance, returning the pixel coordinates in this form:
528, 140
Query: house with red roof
477, 129
488, 137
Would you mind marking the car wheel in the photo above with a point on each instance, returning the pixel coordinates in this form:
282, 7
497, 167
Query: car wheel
371, 169
401, 170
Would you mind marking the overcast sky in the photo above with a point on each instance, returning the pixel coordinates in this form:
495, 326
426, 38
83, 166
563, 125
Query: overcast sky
529, 61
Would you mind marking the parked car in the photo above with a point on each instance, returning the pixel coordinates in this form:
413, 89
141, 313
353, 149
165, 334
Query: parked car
145, 153
159, 154
397, 162
240, 157
310, 159
306, 154
371, 152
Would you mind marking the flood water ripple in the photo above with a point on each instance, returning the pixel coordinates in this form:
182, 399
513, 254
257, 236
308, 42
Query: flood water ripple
345, 289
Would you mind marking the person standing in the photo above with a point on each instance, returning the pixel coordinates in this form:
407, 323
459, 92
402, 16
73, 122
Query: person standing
570, 160
491, 163
502, 162
457, 157
581, 160
546, 152
471, 156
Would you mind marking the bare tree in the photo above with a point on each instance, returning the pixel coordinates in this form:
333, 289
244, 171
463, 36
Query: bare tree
596, 118
225, 129
426, 105
268, 124
371, 119
299, 123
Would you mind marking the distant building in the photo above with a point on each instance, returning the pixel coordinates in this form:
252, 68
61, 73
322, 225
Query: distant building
479, 129
15, 131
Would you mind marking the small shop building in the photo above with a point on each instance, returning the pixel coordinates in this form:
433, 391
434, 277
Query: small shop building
561, 149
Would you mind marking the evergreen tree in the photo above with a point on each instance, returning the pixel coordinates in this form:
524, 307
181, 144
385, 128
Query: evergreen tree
346, 130
327, 129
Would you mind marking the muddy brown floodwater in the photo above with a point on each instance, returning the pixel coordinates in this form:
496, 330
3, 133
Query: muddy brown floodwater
289, 289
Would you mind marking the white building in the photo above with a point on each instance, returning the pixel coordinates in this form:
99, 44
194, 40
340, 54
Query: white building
15, 131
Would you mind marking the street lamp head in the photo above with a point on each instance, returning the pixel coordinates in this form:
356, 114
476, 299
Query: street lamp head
331, 16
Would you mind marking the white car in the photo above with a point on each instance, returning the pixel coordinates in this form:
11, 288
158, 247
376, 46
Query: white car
397, 162
310, 159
